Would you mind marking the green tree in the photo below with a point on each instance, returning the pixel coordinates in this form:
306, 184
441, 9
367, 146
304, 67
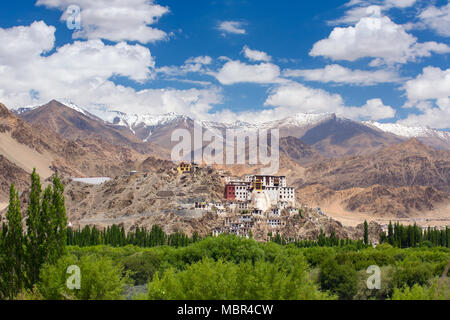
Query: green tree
58, 221
46, 236
340, 279
101, 279
34, 239
220, 280
12, 274
366, 233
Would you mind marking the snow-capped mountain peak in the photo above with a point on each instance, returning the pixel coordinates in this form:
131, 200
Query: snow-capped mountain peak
68, 103
409, 132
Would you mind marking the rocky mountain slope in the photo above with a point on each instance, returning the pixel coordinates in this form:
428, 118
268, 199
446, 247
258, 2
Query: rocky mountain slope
409, 163
130, 198
400, 180
26, 146
74, 123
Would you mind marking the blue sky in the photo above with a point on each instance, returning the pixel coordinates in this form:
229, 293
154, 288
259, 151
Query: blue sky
380, 60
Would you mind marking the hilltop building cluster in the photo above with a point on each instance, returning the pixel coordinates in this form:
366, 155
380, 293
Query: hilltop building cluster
257, 200
249, 201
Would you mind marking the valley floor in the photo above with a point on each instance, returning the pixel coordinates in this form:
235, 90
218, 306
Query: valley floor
437, 218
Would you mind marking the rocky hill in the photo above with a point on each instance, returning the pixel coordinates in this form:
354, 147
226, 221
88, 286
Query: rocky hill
406, 164
132, 197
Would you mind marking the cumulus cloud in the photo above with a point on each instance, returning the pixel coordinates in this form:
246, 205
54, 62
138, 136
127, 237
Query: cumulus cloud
83, 72
234, 27
341, 75
374, 109
255, 55
234, 72
304, 99
433, 83
430, 94
22, 42
294, 98
437, 19
118, 20
376, 37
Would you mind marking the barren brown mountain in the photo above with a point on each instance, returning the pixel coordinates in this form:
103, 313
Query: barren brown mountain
406, 164
78, 124
401, 180
29, 146
338, 137
299, 151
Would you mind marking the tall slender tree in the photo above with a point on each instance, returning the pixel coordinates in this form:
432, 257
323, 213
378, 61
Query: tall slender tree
34, 238
366, 233
58, 220
12, 274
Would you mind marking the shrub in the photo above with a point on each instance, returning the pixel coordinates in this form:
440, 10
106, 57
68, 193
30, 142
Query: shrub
101, 279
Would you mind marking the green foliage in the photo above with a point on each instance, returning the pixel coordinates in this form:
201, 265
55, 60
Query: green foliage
12, 273
413, 236
219, 280
339, 279
438, 290
387, 285
23, 254
117, 237
46, 227
101, 279
412, 271
142, 266
234, 254
366, 233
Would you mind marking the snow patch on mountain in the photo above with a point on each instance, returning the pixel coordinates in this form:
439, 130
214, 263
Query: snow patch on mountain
73, 106
409, 132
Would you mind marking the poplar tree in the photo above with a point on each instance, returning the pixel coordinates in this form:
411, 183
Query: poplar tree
391, 234
34, 238
366, 233
12, 275
58, 221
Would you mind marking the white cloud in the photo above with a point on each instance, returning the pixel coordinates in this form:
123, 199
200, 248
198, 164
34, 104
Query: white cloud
82, 72
430, 94
294, 98
194, 64
255, 55
234, 27
437, 19
339, 74
118, 20
399, 3
366, 8
433, 83
238, 72
304, 99
355, 14
20, 43
435, 117
373, 110
376, 37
